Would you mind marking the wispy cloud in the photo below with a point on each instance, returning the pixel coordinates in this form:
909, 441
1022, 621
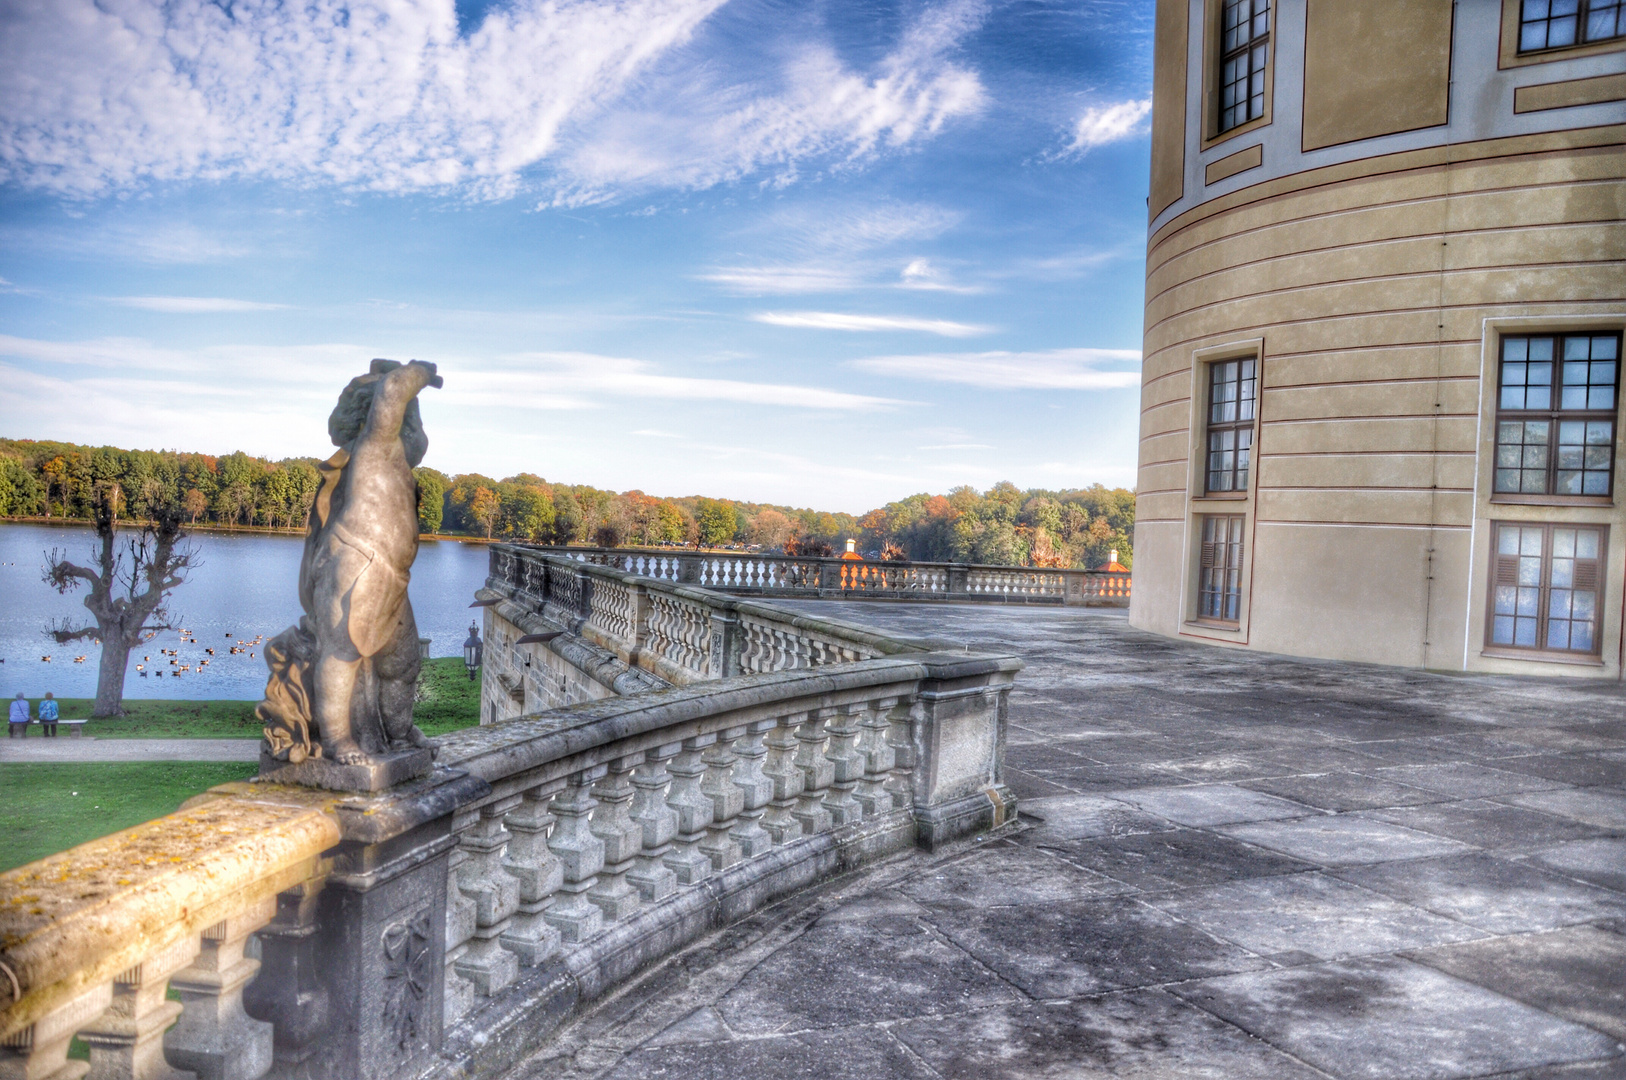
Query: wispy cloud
702, 125
782, 280
957, 446
836, 320
192, 305
1102, 124
1055, 369
922, 274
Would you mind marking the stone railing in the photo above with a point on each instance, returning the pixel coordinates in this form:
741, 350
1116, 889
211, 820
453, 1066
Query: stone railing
748, 574
561, 630
448, 926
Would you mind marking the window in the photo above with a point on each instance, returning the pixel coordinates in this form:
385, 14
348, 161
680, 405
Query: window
1244, 47
1544, 594
1555, 24
1555, 418
1232, 391
1219, 586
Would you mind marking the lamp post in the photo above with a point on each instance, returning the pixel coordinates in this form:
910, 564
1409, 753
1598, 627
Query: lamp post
472, 650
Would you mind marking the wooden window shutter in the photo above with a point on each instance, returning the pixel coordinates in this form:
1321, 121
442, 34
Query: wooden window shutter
1507, 569
1209, 550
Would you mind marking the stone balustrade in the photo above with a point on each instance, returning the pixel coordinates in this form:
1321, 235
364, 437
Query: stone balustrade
611, 633
448, 926
751, 574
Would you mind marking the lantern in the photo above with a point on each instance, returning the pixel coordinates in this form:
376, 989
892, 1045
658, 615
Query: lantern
472, 649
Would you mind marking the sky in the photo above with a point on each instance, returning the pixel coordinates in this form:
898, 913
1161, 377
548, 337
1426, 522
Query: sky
823, 253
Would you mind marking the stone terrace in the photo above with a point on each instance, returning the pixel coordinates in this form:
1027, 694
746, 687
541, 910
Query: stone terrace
1228, 865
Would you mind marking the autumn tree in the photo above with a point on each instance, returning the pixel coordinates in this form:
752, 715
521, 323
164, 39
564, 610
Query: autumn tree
129, 585
485, 508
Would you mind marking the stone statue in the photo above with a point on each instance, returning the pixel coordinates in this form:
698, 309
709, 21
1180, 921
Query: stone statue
338, 704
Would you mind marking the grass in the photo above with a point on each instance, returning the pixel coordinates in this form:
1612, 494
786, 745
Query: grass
51, 807
448, 700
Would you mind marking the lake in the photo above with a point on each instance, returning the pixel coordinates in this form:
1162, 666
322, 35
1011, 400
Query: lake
246, 586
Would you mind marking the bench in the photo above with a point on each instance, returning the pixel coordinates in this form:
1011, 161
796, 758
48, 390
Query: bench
78, 726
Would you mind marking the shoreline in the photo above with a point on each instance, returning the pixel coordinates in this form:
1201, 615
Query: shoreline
213, 527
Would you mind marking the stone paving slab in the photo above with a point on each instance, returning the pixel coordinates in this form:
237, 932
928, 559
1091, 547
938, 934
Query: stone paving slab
1392, 1019
70, 749
1445, 901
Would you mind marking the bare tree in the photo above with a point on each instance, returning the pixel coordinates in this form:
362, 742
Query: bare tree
129, 591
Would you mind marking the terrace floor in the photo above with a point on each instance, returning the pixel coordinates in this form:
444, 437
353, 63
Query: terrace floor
1227, 865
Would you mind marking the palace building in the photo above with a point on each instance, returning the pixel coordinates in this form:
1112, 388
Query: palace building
1385, 293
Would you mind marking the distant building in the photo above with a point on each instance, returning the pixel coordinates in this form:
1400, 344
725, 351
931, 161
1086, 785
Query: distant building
1385, 291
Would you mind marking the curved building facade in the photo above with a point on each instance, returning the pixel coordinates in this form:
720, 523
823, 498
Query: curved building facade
1385, 293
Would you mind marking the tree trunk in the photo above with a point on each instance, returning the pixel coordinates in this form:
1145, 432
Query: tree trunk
110, 679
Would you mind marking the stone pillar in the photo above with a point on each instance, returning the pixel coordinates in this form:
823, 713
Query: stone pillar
538, 872
215, 1038
724, 652
126, 1042
879, 758
288, 993
485, 880
582, 856
658, 822
848, 765
959, 757
727, 800
748, 836
817, 772
622, 838
40, 1050
694, 810
781, 769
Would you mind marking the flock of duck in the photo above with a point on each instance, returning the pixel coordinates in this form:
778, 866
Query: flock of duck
175, 669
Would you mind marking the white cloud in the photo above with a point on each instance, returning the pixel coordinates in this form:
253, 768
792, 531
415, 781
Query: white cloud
1102, 124
705, 126
957, 446
760, 280
606, 95
921, 274
836, 320
534, 380
192, 305
1055, 369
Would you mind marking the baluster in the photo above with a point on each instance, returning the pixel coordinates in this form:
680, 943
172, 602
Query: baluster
538, 872
694, 810
901, 736
582, 856
621, 836
289, 995
215, 1038
727, 800
458, 997
748, 836
878, 756
40, 1050
127, 1041
781, 768
817, 772
495, 892
849, 765
658, 823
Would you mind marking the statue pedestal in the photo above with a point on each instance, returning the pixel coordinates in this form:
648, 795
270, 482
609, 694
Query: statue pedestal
382, 772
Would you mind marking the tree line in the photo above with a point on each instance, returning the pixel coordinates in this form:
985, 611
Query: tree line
1003, 525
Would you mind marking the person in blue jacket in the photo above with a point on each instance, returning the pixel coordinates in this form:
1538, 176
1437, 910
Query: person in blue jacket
20, 717
48, 715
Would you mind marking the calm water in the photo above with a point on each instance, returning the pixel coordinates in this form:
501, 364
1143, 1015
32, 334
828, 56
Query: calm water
246, 586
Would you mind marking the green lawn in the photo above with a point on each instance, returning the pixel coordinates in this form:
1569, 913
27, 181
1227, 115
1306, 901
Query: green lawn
448, 700
55, 806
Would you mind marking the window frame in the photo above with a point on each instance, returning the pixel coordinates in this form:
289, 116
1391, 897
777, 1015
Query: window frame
1214, 69
1583, 9
1237, 426
1509, 55
1244, 51
1540, 651
1554, 415
1236, 524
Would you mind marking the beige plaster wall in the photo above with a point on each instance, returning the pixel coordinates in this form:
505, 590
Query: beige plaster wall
1373, 288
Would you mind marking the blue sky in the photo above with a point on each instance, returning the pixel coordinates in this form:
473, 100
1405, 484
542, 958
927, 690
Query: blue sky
824, 252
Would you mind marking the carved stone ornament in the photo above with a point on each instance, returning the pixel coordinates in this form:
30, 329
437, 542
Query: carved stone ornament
408, 967
338, 704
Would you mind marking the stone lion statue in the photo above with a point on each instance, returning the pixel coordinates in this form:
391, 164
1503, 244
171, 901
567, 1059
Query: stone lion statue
342, 681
